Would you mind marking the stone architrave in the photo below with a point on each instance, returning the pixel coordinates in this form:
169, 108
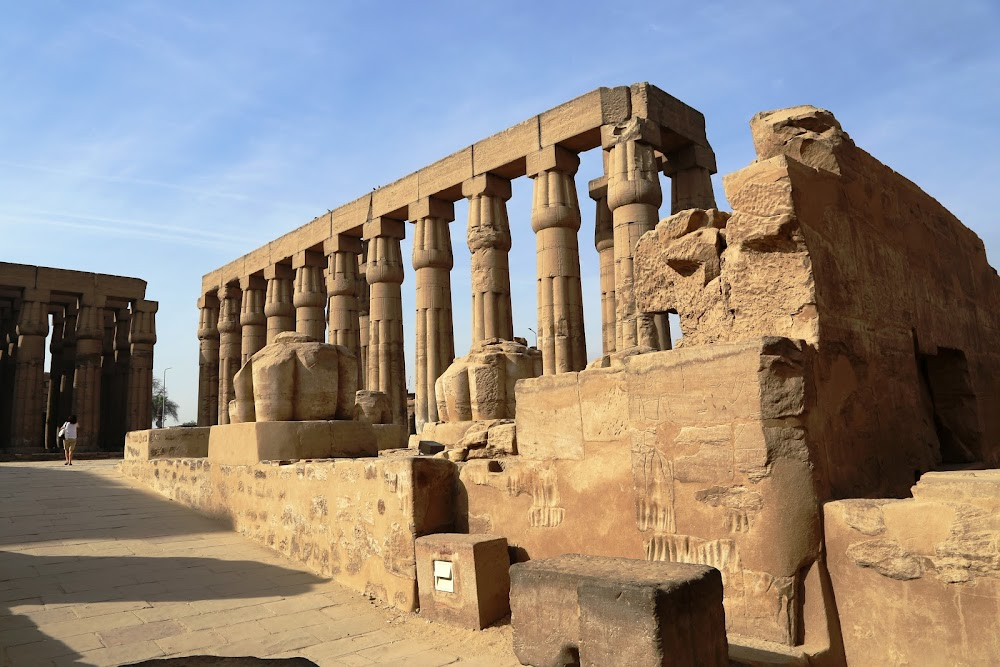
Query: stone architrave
87, 377
489, 240
343, 324
690, 170
142, 336
604, 241
278, 303
432, 262
309, 295
29, 371
230, 346
252, 317
364, 306
384, 272
208, 360
634, 197
555, 219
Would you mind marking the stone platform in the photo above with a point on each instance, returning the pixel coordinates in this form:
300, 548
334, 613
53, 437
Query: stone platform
251, 442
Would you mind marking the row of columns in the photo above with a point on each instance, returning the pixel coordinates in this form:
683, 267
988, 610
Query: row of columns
101, 369
360, 295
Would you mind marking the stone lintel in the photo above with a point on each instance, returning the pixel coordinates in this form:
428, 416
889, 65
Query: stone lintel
282, 271
308, 258
252, 282
208, 301
487, 184
342, 243
552, 158
598, 188
37, 295
432, 207
634, 129
385, 227
145, 306
94, 300
689, 157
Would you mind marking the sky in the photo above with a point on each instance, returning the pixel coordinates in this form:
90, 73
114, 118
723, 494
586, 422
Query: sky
162, 140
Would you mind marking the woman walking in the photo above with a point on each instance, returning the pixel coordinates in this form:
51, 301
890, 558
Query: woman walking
68, 434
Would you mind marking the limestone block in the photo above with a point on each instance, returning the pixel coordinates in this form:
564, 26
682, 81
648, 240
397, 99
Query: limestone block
178, 442
296, 378
445, 433
604, 405
389, 436
373, 407
489, 439
252, 442
591, 611
480, 385
463, 579
550, 425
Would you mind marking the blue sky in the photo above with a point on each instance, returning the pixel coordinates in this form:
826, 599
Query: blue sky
163, 139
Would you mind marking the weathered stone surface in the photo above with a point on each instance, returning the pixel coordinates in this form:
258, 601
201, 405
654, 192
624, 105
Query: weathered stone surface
351, 519
373, 407
925, 589
479, 581
158, 443
615, 611
296, 378
480, 385
251, 442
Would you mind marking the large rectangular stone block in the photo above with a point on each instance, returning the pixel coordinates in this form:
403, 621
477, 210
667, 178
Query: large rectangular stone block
463, 579
159, 443
593, 611
252, 442
549, 424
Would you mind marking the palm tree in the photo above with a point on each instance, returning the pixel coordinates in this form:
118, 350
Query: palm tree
163, 407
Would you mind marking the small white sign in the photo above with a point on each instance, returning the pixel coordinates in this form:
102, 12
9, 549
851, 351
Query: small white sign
443, 580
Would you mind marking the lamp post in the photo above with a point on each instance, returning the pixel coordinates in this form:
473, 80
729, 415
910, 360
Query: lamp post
536, 336
163, 397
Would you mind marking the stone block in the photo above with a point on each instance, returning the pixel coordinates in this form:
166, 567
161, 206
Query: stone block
592, 610
445, 433
389, 436
576, 124
549, 422
503, 153
178, 442
252, 442
463, 579
351, 216
604, 405
446, 175
390, 200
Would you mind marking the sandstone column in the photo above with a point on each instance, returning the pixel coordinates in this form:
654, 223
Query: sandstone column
432, 261
68, 362
278, 305
252, 318
342, 253
364, 306
604, 241
634, 197
208, 360
142, 336
28, 427
690, 170
384, 272
117, 390
489, 240
87, 377
310, 294
53, 418
555, 218
230, 346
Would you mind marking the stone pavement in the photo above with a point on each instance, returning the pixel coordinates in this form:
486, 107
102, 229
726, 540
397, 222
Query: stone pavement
96, 571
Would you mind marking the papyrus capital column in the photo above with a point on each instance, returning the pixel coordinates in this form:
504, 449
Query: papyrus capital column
634, 197
230, 346
604, 241
252, 318
310, 294
364, 307
87, 378
384, 272
343, 323
208, 360
142, 337
690, 170
28, 426
555, 219
488, 237
278, 304
432, 263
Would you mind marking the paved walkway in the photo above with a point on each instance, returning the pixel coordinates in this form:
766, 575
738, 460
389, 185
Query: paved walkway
96, 571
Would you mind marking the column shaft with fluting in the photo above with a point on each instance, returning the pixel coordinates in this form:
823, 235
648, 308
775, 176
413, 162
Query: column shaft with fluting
252, 319
121, 360
278, 305
555, 219
28, 415
343, 323
68, 362
488, 237
142, 338
230, 346
384, 272
208, 360
634, 197
604, 241
309, 295
432, 262
53, 419
364, 309
87, 377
